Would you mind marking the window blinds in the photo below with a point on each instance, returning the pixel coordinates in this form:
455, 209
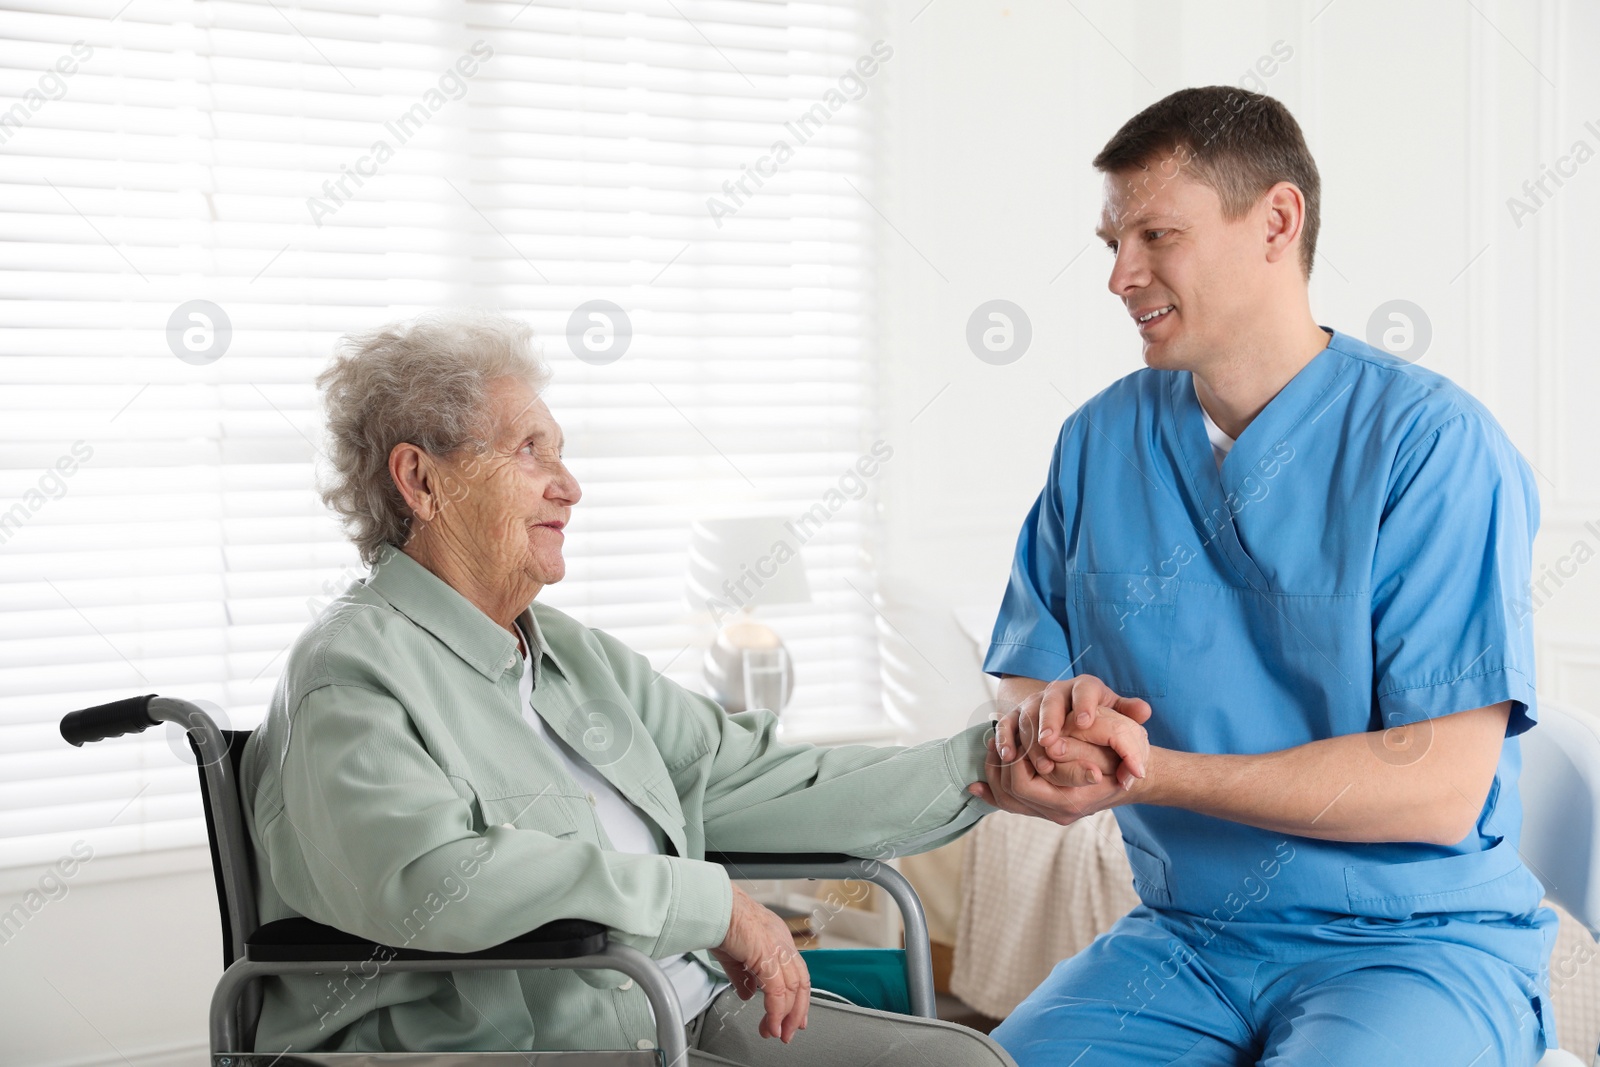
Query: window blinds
302, 170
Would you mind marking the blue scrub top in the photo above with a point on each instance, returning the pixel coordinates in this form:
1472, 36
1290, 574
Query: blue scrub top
1360, 561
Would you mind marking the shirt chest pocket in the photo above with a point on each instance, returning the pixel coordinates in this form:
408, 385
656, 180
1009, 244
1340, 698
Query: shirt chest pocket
546, 811
1120, 626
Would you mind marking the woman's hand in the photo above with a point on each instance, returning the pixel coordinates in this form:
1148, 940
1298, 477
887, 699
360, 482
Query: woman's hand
759, 953
1068, 750
1055, 726
1016, 785
1083, 699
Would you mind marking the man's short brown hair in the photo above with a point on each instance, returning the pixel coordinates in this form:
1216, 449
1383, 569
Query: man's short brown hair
1238, 143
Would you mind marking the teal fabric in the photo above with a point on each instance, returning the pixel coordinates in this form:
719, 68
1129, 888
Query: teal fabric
866, 977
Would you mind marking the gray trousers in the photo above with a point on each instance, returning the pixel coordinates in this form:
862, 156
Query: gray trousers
837, 1034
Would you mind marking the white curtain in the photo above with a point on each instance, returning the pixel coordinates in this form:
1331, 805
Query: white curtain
303, 170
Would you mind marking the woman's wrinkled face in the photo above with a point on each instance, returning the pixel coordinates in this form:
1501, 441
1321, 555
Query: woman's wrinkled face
507, 505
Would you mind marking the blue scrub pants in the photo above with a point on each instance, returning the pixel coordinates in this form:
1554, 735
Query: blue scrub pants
1150, 992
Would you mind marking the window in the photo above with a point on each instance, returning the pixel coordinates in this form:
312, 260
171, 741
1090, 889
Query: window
305, 170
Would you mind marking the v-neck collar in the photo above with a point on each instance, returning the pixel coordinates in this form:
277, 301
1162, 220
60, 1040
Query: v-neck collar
1303, 398
1221, 443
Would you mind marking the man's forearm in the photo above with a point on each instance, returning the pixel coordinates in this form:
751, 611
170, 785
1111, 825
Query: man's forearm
1343, 788
1422, 782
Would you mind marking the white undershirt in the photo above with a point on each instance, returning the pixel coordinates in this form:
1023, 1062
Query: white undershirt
628, 831
1221, 443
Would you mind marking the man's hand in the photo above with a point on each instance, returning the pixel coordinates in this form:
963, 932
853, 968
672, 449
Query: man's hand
1016, 785
1049, 732
1094, 751
759, 953
1067, 753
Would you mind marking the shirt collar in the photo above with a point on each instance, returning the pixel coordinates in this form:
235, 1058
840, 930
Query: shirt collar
431, 603
530, 626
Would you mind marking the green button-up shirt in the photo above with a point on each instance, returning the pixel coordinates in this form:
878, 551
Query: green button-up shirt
395, 791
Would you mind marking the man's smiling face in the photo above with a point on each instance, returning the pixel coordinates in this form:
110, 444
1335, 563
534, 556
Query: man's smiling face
1175, 250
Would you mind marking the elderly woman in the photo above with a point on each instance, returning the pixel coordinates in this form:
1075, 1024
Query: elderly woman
448, 763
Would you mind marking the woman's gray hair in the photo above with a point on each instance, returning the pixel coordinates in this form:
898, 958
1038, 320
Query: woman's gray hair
425, 382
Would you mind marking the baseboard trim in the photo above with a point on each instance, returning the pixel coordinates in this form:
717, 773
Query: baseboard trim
181, 1054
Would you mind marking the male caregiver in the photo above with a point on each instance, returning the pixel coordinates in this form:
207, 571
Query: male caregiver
1295, 559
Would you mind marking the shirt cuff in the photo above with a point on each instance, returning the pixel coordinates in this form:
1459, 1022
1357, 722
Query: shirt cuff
704, 908
965, 754
1401, 707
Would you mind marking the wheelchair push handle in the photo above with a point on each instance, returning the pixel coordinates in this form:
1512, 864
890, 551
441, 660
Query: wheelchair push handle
108, 720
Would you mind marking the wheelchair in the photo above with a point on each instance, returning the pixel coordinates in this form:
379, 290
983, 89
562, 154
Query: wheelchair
251, 950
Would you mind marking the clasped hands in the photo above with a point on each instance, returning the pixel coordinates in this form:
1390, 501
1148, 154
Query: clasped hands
1067, 751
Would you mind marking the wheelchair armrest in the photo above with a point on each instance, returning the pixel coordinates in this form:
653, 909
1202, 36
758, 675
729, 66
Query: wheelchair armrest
787, 859
300, 939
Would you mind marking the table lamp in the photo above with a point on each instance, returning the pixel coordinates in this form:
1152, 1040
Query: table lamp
735, 566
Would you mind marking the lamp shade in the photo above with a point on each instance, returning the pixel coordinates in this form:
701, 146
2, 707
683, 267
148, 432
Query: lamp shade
743, 563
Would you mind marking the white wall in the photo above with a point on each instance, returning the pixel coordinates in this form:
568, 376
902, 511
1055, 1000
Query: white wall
117, 970
1423, 117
